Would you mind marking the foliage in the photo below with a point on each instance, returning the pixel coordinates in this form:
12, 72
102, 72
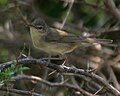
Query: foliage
6, 74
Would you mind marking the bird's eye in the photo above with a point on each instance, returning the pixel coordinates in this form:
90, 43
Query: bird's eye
40, 27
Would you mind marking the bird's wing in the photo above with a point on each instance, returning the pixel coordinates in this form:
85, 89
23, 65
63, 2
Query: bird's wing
59, 36
56, 35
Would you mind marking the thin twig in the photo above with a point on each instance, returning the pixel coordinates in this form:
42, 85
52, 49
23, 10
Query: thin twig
61, 84
67, 14
18, 11
21, 92
110, 5
98, 91
64, 69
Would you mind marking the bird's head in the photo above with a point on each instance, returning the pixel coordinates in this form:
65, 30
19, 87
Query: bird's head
39, 26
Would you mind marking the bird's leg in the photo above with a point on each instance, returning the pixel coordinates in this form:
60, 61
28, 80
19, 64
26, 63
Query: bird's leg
65, 61
46, 69
49, 59
54, 59
38, 85
63, 64
59, 58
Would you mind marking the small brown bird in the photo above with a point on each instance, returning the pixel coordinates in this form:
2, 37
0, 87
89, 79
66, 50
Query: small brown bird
58, 42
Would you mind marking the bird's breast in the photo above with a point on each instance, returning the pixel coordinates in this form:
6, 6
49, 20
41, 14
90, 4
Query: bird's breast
54, 48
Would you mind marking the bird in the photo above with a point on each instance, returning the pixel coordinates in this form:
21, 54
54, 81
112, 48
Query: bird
58, 42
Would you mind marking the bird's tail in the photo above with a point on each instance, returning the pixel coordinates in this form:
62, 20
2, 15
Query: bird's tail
107, 42
104, 41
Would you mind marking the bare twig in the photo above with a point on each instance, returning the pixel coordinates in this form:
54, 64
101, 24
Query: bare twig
21, 92
114, 79
61, 84
64, 69
110, 5
68, 12
84, 3
18, 11
98, 91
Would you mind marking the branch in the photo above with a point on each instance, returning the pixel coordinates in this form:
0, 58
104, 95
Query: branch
21, 92
19, 13
110, 5
64, 69
67, 14
61, 84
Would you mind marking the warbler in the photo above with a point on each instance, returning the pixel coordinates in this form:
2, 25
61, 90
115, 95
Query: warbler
55, 41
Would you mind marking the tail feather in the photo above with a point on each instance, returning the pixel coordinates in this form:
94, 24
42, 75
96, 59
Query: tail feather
104, 41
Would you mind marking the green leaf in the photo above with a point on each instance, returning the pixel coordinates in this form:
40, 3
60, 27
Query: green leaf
6, 74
